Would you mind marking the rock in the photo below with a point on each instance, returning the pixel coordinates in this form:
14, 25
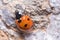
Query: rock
3, 35
44, 13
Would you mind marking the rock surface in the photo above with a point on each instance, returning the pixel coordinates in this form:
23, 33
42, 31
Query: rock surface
44, 13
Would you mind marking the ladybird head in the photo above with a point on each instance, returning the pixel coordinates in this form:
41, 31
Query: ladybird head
18, 16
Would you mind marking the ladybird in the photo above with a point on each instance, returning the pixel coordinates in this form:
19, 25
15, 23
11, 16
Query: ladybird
23, 22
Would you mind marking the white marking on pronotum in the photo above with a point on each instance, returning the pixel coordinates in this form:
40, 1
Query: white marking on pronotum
20, 12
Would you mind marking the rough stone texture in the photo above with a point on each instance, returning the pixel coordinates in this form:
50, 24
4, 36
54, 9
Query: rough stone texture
3, 35
44, 13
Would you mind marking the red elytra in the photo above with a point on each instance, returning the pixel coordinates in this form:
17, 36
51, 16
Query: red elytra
24, 23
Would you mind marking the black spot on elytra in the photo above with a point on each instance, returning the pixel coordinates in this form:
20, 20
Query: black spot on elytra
25, 25
28, 19
19, 21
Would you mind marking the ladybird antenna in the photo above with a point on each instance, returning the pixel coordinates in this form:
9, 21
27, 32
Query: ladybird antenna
18, 15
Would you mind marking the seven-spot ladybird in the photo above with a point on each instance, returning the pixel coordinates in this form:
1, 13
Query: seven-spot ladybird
23, 22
